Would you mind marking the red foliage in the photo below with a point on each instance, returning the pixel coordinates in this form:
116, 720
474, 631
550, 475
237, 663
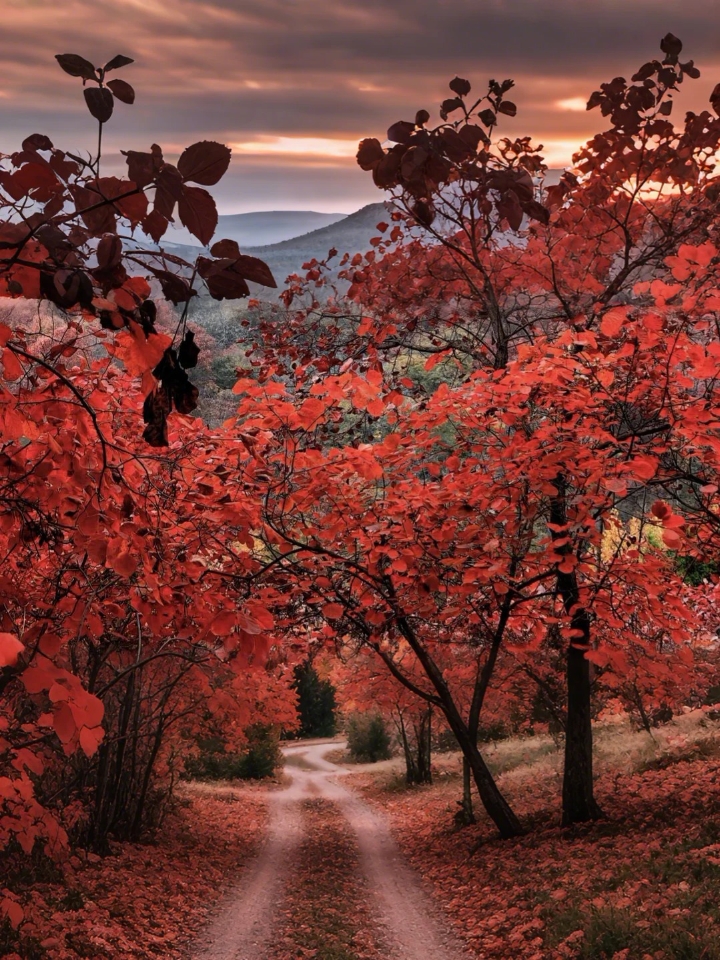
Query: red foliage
86, 910
121, 637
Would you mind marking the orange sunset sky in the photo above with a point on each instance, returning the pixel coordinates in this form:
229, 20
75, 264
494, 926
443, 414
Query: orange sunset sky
292, 85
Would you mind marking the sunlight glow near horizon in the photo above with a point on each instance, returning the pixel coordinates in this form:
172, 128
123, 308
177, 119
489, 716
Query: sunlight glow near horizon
573, 104
298, 147
558, 153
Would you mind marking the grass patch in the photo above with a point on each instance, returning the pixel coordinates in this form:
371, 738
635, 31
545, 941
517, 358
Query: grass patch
506, 755
708, 749
607, 931
677, 917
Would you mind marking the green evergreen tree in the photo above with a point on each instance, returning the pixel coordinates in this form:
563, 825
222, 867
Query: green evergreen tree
316, 703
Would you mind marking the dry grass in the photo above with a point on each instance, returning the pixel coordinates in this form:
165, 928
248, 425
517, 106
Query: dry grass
619, 749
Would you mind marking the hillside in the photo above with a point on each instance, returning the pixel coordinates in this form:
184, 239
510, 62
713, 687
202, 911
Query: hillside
346, 234
262, 228
351, 234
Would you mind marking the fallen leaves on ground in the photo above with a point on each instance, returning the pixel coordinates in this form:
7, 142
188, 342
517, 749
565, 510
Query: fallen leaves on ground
143, 901
324, 914
639, 885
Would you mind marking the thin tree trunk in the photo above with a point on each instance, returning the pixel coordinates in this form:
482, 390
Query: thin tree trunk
423, 735
497, 807
578, 798
410, 769
466, 814
492, 799
636, 697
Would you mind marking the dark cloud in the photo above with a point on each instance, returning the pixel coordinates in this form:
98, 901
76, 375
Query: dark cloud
244, 70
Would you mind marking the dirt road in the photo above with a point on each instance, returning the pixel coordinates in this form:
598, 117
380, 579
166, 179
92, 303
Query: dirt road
410, 924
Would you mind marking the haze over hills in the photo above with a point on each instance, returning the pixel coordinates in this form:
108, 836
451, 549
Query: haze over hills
262, 228
349, 234
287, 239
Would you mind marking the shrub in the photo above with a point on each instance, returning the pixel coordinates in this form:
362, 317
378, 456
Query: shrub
260, 758
368, 738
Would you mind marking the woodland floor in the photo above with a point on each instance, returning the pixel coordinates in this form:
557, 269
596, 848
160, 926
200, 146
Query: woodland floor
329, 881
643, 883
144, 901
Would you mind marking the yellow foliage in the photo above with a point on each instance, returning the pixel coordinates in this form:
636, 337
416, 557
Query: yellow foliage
618, 537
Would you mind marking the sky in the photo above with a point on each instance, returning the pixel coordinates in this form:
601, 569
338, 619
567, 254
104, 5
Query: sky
292, 85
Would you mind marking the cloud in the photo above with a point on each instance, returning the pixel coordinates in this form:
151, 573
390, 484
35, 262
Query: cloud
573, 104
305, 79
326, 149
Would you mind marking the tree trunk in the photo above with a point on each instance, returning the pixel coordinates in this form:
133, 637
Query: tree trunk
410, 766
578, 797
496, 806
418, 754
636, 698
423, 734
578, 800
465, 815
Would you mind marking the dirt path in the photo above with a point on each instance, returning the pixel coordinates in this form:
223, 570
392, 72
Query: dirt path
245, 927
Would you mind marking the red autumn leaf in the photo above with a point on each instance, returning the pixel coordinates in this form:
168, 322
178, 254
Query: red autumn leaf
197, 212
37, 679
90, 740
76, 66
227, 249
99, 102
122, 91
155, 225
613, 321
223, 281
12, 369
64, 723
255, 270
460, 87
117, 62
137, 351
660, 510
109, 251
401, 132
120, 558
89, 710
176, 289
204, 162
13, 911
168, 190
370, 153
143, 167
333, 611
224, 623
248, 624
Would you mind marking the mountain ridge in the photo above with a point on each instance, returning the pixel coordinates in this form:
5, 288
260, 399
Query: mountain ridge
261, 227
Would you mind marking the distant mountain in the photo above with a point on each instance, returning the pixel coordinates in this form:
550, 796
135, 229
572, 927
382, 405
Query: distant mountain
347, 234
260, 229
350, 235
